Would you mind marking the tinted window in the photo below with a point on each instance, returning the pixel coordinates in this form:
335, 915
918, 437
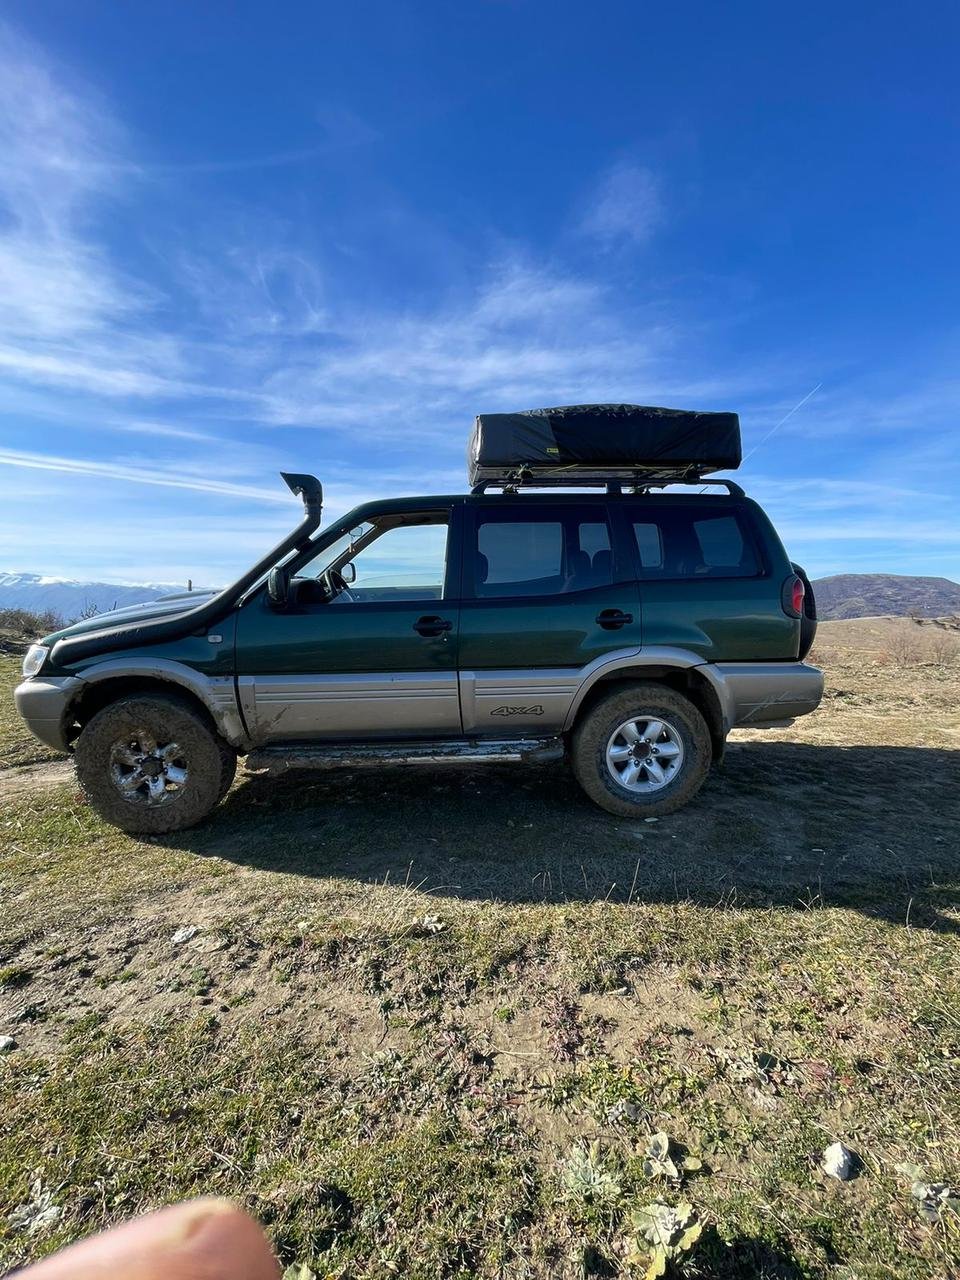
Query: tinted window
721, 542
390, 562
678, 542
649, 545
529, 554
518, 553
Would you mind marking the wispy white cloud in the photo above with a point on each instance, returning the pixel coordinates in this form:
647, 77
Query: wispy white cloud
135, 475
267, 335
68, 316
85, 372
823, 493
149, 430
530, 335
256, 287
876, 529
627, 206
52, 281
251, 321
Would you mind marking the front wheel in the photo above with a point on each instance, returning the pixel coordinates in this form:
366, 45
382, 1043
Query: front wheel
150, 764
641, 751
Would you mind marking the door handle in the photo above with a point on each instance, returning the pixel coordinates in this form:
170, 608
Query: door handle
430, 625
613, 619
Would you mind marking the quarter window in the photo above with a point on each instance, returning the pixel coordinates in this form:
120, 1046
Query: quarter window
529, 554
679, 542
721, 542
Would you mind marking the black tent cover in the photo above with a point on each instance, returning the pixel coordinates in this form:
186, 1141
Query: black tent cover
597, 442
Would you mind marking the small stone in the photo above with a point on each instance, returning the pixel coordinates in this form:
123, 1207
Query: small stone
430, 924
762, 1101
36, 1214
623, 1111
7, 1043
839, 1162
184, 934
651, 819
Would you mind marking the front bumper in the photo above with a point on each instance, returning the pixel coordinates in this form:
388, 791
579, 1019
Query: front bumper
43, 702
765, 693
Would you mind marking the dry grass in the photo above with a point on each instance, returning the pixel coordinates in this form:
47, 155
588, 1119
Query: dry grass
412, 999
17, 745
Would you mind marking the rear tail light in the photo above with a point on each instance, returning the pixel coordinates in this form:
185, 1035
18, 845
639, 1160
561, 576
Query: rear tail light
791, 596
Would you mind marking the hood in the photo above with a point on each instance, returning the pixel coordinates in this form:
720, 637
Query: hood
164, 607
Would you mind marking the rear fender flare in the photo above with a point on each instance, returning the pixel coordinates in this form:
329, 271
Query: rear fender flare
656, 656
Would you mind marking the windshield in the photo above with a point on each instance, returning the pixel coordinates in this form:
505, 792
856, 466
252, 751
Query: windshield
339, 550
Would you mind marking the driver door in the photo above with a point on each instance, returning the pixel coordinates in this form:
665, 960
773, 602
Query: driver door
378, 660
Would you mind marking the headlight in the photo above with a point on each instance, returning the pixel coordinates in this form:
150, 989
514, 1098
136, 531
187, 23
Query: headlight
34, 659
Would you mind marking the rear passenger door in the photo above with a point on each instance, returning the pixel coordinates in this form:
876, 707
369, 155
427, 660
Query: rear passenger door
545, 593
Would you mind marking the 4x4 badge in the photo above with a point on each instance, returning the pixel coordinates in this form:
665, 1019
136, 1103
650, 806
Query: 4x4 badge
517, 711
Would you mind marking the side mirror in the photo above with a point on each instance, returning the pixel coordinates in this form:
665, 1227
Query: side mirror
349, 572
278, 587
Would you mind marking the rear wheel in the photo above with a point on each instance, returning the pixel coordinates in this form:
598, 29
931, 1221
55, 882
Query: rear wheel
641, 751
150, 764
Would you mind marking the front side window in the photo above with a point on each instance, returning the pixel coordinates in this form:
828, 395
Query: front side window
686, 542
380, 562
540, 553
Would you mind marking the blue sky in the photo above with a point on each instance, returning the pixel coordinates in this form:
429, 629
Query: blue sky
236, 238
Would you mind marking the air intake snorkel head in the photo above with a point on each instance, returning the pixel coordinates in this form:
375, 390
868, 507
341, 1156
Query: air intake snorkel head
309, 489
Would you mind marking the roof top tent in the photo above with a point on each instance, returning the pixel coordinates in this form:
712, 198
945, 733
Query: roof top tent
601, 444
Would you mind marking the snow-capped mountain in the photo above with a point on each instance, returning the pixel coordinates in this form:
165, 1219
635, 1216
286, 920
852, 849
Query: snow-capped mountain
70, 599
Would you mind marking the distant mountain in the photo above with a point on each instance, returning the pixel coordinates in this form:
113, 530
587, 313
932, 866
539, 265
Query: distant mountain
844, 595
866, 595
70, 599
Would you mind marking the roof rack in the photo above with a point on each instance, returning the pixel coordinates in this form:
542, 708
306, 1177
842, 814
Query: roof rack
627, 480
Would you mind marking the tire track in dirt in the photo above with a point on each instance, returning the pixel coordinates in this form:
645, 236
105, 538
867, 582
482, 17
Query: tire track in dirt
35, 777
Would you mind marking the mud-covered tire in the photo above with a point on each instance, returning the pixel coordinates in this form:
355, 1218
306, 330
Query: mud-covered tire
206, 761
594, 732
228, 767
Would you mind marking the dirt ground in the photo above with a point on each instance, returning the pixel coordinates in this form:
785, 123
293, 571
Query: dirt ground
481, 995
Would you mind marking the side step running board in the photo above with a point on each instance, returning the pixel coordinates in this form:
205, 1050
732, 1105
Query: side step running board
273, 760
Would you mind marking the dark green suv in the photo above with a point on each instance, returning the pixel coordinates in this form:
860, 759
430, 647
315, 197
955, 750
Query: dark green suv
624, 631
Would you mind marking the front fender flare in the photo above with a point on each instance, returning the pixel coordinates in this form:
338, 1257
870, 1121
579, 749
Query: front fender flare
217, 693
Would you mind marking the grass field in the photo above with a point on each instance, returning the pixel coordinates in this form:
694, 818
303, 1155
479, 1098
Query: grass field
430, 1020
18, 746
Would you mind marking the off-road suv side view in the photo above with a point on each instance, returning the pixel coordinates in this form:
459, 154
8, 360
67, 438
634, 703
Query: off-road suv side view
626, 631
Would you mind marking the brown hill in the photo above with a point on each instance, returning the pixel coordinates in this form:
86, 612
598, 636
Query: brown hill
867, 595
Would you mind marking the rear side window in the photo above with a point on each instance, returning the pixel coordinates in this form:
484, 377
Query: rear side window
540, 552
686, 542
649, 544
721, 543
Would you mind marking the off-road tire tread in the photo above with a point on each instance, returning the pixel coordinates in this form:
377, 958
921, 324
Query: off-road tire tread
592, 732
228, 767
212, 763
